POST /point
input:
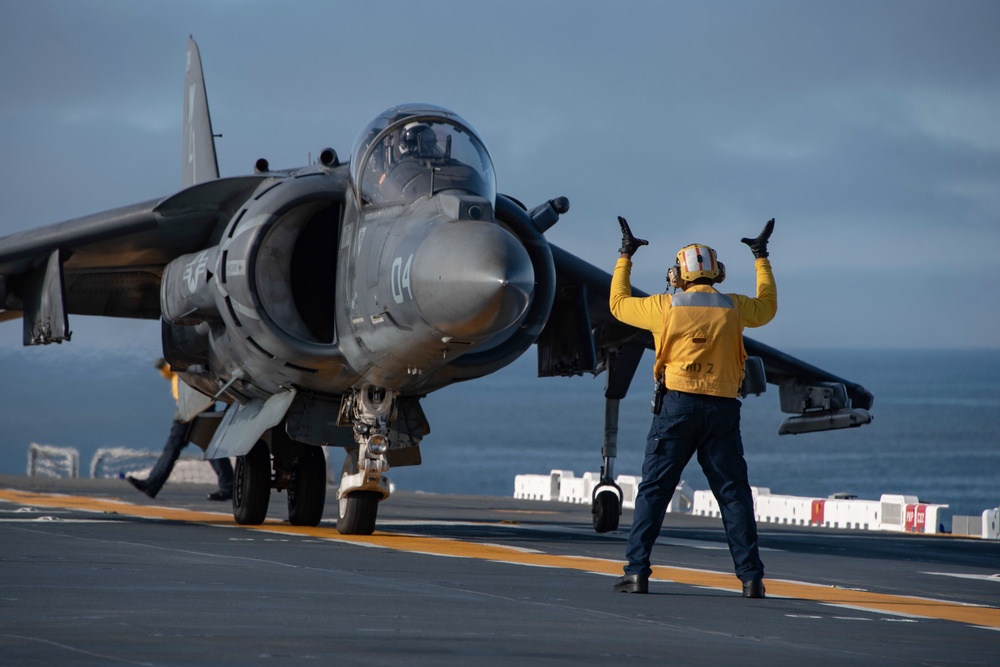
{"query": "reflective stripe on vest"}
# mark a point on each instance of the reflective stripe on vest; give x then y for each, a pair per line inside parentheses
(705, 299)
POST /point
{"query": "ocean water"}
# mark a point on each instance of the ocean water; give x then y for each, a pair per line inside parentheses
(935, 434)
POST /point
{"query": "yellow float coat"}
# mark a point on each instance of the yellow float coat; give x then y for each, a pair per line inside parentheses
(698, 333)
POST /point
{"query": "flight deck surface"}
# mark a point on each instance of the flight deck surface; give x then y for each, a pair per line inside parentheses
(94, 573)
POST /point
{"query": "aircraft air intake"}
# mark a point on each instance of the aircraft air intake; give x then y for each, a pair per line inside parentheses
(472, 280)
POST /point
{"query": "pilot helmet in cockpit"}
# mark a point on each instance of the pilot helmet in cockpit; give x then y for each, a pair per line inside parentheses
(418, 140)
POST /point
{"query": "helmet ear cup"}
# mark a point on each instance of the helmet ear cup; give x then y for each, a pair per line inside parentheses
(674, 276)
(722, 273)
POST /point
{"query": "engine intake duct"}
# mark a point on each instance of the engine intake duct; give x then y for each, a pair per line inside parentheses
(295, 271)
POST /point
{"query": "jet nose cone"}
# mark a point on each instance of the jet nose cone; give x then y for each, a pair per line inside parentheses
(472, 280)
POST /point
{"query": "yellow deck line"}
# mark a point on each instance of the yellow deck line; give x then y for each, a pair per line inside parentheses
(978, 615)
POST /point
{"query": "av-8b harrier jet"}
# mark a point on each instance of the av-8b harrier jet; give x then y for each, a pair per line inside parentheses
(321, 304)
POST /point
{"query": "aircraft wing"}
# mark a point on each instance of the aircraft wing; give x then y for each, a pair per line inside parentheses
(820, 400)
(109, 263)
(572, 273)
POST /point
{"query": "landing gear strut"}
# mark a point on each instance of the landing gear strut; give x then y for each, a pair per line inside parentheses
(620, 363)
(362, 482)
(607, 498)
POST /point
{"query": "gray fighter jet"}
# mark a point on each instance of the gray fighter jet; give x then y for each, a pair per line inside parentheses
(321, 304)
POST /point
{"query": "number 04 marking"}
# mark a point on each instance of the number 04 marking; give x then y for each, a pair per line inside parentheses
(400, 279)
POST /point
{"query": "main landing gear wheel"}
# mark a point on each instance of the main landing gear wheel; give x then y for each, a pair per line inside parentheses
(607, 511)
(307, 494)
(252, 485)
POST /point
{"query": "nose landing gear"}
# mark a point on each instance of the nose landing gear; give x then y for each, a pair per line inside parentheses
(363, 484)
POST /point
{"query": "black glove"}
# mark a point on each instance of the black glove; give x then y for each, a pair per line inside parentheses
(758, 246)
(629, 243)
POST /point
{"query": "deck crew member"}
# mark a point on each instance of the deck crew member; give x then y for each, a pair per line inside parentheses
(176, 441)
(698, 337)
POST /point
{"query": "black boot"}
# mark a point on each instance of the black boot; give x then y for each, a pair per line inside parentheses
(753, 589)
(143, 485)
(631, 583)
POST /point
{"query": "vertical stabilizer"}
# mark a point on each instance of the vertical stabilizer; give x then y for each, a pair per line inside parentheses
(200, 163)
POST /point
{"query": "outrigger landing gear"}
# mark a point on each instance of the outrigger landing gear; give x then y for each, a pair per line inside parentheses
(362, 482)
(607, 497)
(620, 364)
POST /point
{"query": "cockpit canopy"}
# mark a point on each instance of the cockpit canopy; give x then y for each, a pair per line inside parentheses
(416, 150)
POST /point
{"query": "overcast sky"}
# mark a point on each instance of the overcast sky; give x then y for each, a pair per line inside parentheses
(869, 130)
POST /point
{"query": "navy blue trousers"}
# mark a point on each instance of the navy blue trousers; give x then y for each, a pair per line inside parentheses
(709, 426)
(176, 441)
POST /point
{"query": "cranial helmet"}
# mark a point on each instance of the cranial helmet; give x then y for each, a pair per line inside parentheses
(417, 139)
(693, 262)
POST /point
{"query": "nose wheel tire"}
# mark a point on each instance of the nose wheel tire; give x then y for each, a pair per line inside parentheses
(252, 485)
(307, 495)
(357, 512)
(607, 511)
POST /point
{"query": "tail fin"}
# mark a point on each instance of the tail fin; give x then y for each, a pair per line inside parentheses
(200, 163)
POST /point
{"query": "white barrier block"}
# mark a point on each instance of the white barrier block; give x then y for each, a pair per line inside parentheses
(866, 514)
(682, 500)
(630, 488)
(937, 519)
(991, 524)
(924, 517)
(893, 511)
(533, 487)
(557, 477)
(787, 510)
(835, 513)
(575, 489)
(851, 513)
(704, 504)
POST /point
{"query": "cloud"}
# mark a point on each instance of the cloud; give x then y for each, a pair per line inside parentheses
(964, 117)
(749, 146)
